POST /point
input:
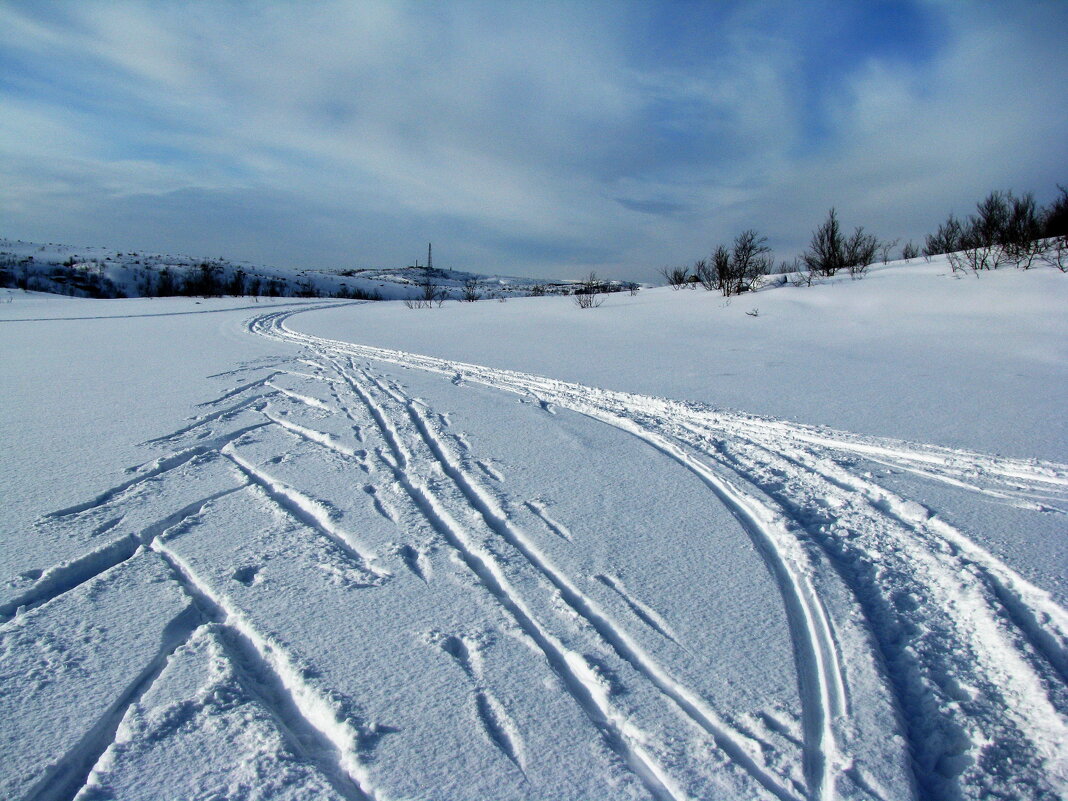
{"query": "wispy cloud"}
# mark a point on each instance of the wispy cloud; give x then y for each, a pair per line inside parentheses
(540, 138)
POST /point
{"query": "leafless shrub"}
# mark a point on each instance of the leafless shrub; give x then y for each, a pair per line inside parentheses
(588, 294)
(909, 251)
(978, 257)
(1055, 216)
(740, 268)
(805, 278)
(948, 238)
(676, 277)
(1022, 236)
(469, 293)
(1055, 254)
(824, 254)
(705, 274)
(859, 252)
(885, 247)
(830, 250)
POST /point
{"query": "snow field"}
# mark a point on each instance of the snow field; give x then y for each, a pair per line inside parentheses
(360, 572)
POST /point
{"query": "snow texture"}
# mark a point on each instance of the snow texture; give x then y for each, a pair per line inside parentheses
(308, 549)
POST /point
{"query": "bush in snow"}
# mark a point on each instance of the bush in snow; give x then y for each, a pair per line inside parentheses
(588, 295)
(742, 268)
(676, 277)
(430, 294)
(470, 293)
(1055, 216)
(830, 250)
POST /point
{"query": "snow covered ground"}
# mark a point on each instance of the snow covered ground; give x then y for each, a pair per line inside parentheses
(806, 545)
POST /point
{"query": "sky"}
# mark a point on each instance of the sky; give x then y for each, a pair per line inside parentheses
(522, 138)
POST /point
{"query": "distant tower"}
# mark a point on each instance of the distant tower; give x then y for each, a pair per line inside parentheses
(429, 256)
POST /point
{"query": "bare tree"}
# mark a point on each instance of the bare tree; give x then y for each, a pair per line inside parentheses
(909, 251)
(990, 224)
(430, 294)
(588, 294)
(721, 266)
(824, 254)
(1055, 216)
(947, 239)
(1055, 253)
(1022, 238)
(751, 260)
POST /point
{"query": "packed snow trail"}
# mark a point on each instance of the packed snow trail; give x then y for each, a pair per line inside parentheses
(456, 643)
(975, 655)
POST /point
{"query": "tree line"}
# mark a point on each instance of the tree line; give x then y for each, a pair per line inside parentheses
(1005, 229)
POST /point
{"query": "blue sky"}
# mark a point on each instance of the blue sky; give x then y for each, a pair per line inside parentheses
(525, 138)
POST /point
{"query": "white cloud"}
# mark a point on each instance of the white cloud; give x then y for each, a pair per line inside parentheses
(514, 131)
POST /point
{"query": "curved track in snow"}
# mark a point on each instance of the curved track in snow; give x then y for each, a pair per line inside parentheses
(919, 654)
(974, 656)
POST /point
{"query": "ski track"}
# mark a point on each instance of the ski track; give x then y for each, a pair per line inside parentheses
(61, 579)
(499, 727)
(559, 529)
(259, 382)
(616, 637)
(971, 653)
(573, 670)
(310, 512)
(156, 468)
(643, 612)
(1004, 636)
(70, 773)
(307, 716)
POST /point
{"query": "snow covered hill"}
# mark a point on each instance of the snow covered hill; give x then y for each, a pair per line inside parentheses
(98, 272)
(809, 544)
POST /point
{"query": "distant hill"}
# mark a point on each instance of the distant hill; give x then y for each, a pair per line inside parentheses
(98, 272)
